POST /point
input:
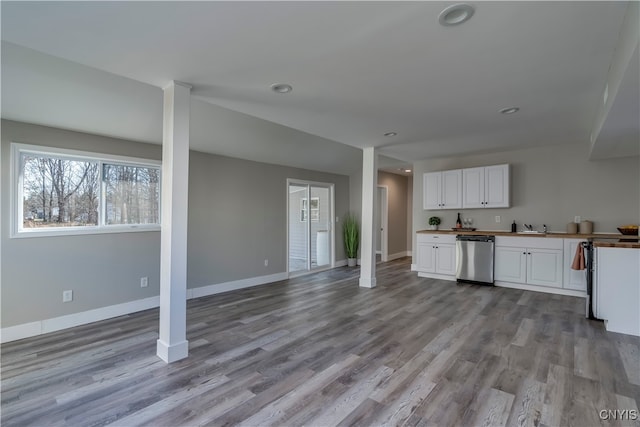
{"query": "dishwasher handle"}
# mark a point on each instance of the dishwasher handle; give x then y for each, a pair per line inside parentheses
(475, 238)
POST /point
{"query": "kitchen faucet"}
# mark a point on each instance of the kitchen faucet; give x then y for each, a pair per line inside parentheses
(528, 227)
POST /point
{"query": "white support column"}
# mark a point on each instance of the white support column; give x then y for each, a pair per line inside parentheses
(368, 234)
(172, 344)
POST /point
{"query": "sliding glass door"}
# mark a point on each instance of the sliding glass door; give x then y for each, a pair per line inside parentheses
(310, 237)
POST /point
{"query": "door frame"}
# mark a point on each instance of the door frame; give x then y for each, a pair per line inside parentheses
(332, 215)
(383, 234)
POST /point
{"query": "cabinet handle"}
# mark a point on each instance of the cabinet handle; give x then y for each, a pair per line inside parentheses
(524, 253)
(528, 253)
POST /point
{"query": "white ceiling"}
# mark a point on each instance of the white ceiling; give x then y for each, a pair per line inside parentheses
(359, 69)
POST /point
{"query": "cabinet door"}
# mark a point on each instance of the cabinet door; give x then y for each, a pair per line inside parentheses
(510, 264)
(544, 267)
(431, 190)
(496, 185)
(473, 188)
(446, 259)
(451, 189)
(427, 257)
(573, 279)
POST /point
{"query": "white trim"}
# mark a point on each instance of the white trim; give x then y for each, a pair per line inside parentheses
(332, 224)
(171, 353)
(341, 263)
(397, 255)
(218, 288)
(383, 205)
(32, 329)
(367, 282)
(436, 276)
(546, 290)
(409, 253)
(16, 208)
(78, 231)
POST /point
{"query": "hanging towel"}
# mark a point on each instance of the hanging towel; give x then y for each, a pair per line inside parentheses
(578, 260)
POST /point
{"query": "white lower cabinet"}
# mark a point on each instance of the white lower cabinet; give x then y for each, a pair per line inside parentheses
(535, 263)
(573, 279)
(532, 261)
(436, 255)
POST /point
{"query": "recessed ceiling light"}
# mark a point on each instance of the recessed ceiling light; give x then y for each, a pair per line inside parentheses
(509, 110)
(281, 88)
(456, 14)
(390, 134)
(407, 170)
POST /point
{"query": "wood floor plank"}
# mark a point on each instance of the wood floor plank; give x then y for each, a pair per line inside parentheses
(318, 350)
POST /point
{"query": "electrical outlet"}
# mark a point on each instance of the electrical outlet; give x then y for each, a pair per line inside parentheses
(266, 262)
(144, 282)
(498, 219)
(577, 219)
(67, 296)
(337, 219)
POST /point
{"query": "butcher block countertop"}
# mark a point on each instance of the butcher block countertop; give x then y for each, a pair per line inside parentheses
(604, 244)
(542, 235)
(601, 240)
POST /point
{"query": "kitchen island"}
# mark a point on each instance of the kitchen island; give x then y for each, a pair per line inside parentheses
(617, 286)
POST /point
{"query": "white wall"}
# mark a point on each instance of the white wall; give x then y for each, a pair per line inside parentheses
(549, 185)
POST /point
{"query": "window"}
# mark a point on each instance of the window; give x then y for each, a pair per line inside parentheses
(68, 192)
(315, 209)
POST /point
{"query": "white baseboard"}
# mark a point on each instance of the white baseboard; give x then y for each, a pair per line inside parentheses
(545, 289)
(367, 282)
(32, 329)
(218, 288)
(437, 276)
(397, 255)
(26, 330)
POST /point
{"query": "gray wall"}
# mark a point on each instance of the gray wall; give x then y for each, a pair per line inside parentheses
(237, 218)
(397, 214)
(101, 269)
(549, 185)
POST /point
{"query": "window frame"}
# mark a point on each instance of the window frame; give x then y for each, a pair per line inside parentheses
(17, 188)
(303, 210)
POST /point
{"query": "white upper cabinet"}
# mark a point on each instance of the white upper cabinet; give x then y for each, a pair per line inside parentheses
(442, 190)
(473, 188)
(485, 187)
(432, 190)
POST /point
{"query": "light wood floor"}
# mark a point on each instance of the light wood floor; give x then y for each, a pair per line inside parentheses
(320, 351)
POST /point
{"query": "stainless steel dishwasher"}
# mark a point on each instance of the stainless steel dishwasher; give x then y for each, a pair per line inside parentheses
(474, 259)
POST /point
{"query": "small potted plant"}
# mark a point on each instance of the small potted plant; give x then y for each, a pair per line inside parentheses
(351, 234)
(434, 222)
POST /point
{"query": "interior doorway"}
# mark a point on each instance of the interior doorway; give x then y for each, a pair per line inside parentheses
(382, 223)
(310, 237)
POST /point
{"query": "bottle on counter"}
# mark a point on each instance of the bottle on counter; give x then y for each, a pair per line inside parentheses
(513, 227)
(458, 221)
